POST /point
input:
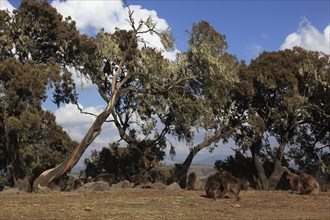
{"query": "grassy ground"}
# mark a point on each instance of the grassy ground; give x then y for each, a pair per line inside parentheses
(163, 204)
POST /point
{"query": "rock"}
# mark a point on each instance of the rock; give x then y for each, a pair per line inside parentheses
(173, 186)
(43, 190)
(12, 191)
(236, 205)
(94, 187)
(127, 184)
(158, 185)
(123, 184)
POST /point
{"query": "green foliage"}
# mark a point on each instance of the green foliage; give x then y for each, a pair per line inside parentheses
(37, 47)
(3, 181)
(215, 73)
(285, 85)
(242, 166)
(125, 162)
(287, 100)
(282, 94)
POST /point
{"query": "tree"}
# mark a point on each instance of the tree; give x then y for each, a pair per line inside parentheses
(286, 84)
(123, 162)
(310, 148)
(36, 49)
(32, 141)
(149, 97)
(212, 107)
(128, 88)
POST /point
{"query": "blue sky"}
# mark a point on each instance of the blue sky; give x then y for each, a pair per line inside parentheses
(250, 28)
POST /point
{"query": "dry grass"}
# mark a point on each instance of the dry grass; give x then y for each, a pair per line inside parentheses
(163, 204)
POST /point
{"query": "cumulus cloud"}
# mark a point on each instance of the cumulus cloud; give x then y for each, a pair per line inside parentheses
(81, 81)
(4, 4)
(309, 38)
(91, 16)
(77, 124)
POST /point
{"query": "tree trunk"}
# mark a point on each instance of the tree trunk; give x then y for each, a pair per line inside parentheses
(255, 151)
(16, 168)
(278, 169)
(49, 175)
(179, 174)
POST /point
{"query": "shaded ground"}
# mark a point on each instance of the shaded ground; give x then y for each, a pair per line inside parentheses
(163, 204)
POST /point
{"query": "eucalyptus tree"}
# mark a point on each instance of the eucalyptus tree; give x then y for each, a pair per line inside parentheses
(135, 83)
(149, 98)
(209, 106)
(290, 89)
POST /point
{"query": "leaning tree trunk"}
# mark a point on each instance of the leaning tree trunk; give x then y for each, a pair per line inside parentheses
(49, 175)
(278, 169)
(179, 174)
(255, 150)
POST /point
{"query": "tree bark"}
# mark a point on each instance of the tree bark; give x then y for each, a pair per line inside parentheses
(49, 175)
(278, 169)
(16, 170)
(255, 151)
(179, 174)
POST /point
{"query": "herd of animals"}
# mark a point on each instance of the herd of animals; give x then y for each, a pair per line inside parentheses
(224, 184)
(220, 184)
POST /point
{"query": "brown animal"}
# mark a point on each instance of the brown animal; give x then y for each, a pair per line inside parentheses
(107, 177)
(326, 187)
(214, 191)
(229, 186)
(140, 180)
(193, 182)
(212, 185)
(308, 185)
(244, 183)
(294, 181)
(223, 185)
(80, 182)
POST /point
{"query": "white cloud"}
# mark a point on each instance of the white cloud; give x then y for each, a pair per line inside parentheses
(171, 55)
(4, 4)
(81, 81)
(77, 124)
(91, 16)
(309, 38)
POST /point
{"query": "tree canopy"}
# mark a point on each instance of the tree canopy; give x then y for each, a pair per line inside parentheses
(36, 48)
(281, 95)
(283, 104)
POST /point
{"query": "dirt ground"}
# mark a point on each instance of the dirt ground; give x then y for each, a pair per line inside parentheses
(163, 204)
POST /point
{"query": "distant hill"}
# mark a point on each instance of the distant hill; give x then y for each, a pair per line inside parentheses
(202, 167)
(202, 170)
(77, 169)
(210, 160)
